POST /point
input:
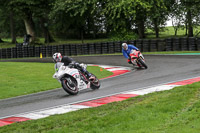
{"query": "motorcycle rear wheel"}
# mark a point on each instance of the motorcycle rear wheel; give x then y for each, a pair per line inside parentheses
(70, 88)
(142, 63)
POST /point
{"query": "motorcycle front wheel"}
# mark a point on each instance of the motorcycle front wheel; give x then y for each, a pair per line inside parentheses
(69, 84)
(142, 63)
(94, 82)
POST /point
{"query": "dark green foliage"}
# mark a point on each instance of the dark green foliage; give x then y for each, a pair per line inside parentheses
(92, 19)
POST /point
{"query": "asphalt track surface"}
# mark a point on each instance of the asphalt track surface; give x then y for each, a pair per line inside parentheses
(161, 69)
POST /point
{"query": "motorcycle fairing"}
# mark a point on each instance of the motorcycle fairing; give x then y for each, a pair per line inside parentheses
(63, 70)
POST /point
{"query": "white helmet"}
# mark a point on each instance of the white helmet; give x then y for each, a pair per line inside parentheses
(124, 46)
(57, 57)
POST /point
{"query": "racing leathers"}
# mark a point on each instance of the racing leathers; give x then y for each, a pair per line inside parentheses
(71, 63)
(126, 53)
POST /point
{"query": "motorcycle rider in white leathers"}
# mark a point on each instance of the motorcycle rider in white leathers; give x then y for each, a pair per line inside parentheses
(59, 60)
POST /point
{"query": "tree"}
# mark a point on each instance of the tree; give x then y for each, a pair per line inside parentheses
(141, 16)
(7, 15)
(176, 13)
(191, 7)
(79, 16)
(157, 15)
(23, 9)
(43, 15)
(27, 10)
(126, 14)
(44, 24)
(12, 27)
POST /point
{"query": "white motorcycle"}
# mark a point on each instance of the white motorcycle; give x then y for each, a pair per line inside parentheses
(73, 80)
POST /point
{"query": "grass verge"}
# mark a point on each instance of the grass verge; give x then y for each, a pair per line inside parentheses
(168, 31)
(150, 53)
(173, 111)
(58, 41)
(26, 78)
(173, 52)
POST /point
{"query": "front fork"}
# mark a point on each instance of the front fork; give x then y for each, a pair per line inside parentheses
(141, 56)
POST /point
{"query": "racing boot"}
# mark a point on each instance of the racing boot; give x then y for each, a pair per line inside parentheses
(88, 75)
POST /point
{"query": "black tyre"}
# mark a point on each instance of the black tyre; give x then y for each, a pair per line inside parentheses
(142, 63)
(94, 82)
(69, 84)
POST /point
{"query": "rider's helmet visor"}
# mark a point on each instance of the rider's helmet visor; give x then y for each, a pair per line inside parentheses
(125, 47)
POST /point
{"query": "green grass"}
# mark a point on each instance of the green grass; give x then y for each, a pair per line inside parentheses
(7, 44)
(26, 78)
(150, 53)
(172, 52)
(173, 111)
(169, 32)
(76, 41)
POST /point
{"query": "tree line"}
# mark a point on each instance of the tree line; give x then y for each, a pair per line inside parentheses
(94, 18)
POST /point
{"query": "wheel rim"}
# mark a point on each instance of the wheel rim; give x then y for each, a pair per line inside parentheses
(69, 86)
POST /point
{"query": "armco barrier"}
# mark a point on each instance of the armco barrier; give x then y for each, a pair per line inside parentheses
(192, 44)
(176, 44)
(98, 48)
(73, 49)
(3, 53)
(184, 44)
(14, 52)
(145, 45)
(85, 49)
(168, 44)
(111, 48)
(91, 48)
(139, 44)
(118, 47)
(198, 43)
(153, 46)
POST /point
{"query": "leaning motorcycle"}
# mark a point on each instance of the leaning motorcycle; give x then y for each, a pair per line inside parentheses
(137, 59)
(73, 80)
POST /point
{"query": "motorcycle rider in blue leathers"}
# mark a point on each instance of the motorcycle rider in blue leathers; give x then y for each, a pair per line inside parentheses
(126, 49)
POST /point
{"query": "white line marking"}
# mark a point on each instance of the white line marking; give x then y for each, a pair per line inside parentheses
(151, 90)
(52, 111)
